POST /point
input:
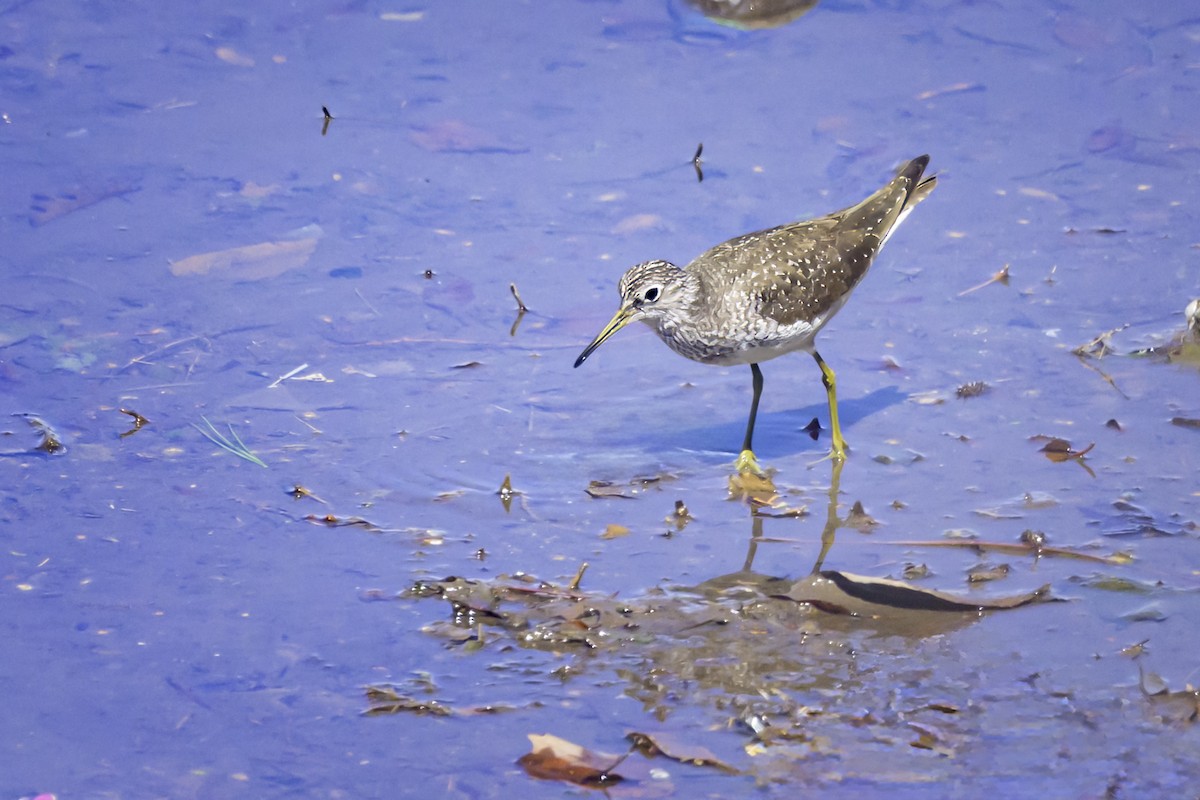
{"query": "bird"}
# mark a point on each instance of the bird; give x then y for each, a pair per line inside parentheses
(764, 294)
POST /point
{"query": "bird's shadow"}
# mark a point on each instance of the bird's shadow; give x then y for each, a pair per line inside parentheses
(778, 434)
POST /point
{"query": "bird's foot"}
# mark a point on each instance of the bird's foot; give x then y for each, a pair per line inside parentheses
(836, 454)
(747, 463)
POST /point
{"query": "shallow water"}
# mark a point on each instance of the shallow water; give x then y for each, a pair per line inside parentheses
(180, 234)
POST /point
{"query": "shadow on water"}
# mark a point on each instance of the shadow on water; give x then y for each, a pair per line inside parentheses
(781, 433)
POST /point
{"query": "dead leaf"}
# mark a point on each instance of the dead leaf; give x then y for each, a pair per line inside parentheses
(1179, 706)
(48, 441)
(982, 573)
(758, 490)
(1059, 450)
(859, 519)
(252, 262)
(387, 700)
(929, 739)
(851, 592)
(555, 759)
(608, 489)
(614, 531)
(664, 744)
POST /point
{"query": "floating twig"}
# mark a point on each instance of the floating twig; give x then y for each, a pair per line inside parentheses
(1016, 549)
(573, 586)
(512, 287)
(522, 309)
(1099, 347)
(157, 351)
(291, 374)
(1000, 277)
(299, 492)
(697, 164)
(328, 119)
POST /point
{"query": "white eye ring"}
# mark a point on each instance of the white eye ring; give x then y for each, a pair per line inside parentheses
(651, 294)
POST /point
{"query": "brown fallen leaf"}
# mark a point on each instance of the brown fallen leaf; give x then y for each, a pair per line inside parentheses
(856, 590)
(1178, 706)
(859, 519)
(982, 573)
(386, 700)
(614, 531)
(663, 744)
(49, 442)
(1059, 450)
(608, 489)
(556, 759)
(757, 490)
(251, 262)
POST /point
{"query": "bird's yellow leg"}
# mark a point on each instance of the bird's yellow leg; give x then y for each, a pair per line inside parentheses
(838, 452)
(746, 462)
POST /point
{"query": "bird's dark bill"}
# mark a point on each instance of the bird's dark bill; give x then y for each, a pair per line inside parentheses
(622, 318)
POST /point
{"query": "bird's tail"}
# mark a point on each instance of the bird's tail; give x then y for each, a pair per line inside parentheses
(913, 171)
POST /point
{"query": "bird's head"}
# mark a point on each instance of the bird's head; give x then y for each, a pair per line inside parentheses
(653, 292)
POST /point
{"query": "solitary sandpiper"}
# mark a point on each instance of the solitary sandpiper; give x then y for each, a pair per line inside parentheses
(763, 294)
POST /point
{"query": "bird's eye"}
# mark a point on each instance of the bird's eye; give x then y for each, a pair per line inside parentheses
(651, 294)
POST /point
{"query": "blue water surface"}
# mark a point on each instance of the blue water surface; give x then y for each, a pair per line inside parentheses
(188, 238)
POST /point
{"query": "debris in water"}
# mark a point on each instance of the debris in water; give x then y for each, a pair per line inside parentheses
(662, 744)
(1000, 277)
(680, 517)
(138, 422)
(982, 573)
(232, 444)
(972, 389)
(555, 759)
